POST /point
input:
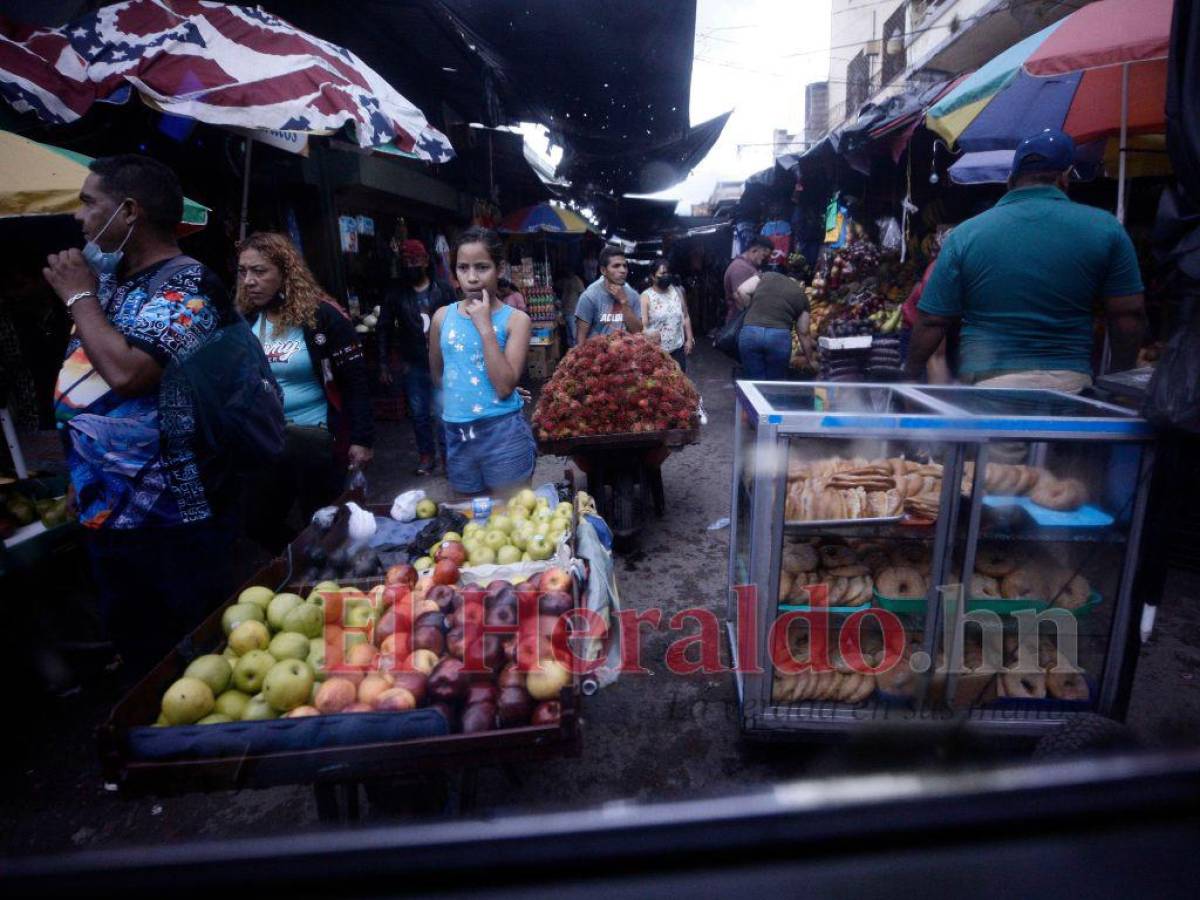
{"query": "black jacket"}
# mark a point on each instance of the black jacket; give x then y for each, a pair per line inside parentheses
(338, 365)
(401, 326)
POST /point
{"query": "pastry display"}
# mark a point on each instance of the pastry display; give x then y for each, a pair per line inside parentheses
(805, 565)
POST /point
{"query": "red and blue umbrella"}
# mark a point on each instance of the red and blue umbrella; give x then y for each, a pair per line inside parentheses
(544, 218)
(1068, 76)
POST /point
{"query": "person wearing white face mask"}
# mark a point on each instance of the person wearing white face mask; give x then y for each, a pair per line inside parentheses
(158, 540)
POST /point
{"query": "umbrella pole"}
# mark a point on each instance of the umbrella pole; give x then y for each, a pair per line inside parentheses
(1124, 137)
(245, 191)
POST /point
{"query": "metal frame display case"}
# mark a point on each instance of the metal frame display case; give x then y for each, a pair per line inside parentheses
(953, 432)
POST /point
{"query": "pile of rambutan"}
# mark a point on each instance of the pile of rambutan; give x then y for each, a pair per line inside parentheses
(615, 384)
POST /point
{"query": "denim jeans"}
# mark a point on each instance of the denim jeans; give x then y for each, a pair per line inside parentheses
(496, 453)
(418, 386)
(765, 353)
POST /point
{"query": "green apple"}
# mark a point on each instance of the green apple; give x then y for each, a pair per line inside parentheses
(322, 586)
(426, 509)
(518, 514)
(289, 645)
(232, 703)
(540, 547)
(359, 616)
(541, 503)
(288, 684)
(316, 657)
(215, 719)
(558, 529)
(230, 655)
(495, 539)
(481, 556)
(543, 514)
(161, 722)
(258, 595)
(187, 701)
(472, 527)
(350, 640)
(239, 613)
(565, 510)
(518, 539)
(279, 607)
(526, 499)
(213, 669)
(508, 555)
(500, 523)
(424, 564)
(251, 669)
(307, 619)
(258, 709)
(452, 536)
(525, 557)
(249, 636)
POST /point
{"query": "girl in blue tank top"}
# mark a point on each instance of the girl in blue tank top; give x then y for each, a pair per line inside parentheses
(477, 351)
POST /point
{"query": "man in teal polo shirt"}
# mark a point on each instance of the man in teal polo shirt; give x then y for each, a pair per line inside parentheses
(1025, 277)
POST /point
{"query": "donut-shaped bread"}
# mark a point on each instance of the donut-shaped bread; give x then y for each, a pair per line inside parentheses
(799, 558)
(995, 561)
(1022, 686)
(1067, 686)
(1023, 583)
(835, 555)
(1027, 479)
(901, 581)
(984, 586)
(1067, 591)
(1061, 494)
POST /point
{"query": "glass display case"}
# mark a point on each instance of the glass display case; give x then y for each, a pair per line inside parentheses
(875, 574)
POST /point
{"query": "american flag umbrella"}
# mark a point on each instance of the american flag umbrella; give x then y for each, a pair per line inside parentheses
(225, 65)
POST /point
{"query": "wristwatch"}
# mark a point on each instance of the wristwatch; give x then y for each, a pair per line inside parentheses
(70, 301)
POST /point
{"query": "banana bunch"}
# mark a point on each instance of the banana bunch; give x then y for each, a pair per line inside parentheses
(886, 320)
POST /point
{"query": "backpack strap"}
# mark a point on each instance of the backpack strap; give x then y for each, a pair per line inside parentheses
(168, 271)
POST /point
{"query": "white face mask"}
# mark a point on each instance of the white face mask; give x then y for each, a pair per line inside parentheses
(98, 261)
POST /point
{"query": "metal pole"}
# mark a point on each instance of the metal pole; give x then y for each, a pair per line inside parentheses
(1124, 137)
(246, 191)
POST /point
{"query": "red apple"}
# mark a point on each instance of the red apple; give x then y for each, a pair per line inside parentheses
(454, 551)
(421, 661)
(335, 695)
(331, 601)
(424, 586)
(301, 712)
(482, 692)
(395, 699)
(431, 619)
(515, 707)
(416, 683)
(479, 717)
(424, 606)
(454, 643)
(401, 574)
(429, 638)
(442, 594)
(555, 603)
(396, 647)
(448, 682)
(555, 579)
(510, 676)
(372, 686)
(548, 713)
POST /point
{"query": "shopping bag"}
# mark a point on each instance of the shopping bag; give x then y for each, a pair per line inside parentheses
(1173, 397)
(727, 338)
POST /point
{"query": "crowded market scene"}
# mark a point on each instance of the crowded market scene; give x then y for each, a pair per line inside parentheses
(496, 446)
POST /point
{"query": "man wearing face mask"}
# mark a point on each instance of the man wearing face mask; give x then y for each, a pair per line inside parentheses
(159, 543)
(407, 309)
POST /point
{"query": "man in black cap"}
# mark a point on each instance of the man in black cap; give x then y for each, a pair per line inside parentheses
(1024, 279)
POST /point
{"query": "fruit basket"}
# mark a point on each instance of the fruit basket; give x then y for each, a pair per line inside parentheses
(673, 439)
(127, 729)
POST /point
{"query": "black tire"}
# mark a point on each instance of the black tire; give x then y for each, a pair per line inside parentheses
(1086, 733)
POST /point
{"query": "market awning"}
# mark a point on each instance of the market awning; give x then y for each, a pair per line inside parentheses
(44, 180)
(234, 66)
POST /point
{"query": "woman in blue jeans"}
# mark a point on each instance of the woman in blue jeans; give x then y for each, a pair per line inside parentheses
(477, 351)
(776, 303)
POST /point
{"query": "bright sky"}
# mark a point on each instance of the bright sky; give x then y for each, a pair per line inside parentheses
(755, 57)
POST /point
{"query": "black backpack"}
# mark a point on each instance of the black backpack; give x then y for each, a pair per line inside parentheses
(237, 406)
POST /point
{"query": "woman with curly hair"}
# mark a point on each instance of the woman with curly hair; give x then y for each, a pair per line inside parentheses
(318, 362)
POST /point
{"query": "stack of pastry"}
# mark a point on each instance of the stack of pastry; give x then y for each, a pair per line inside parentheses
(835, 567)
(1040, 485)
(840, 683)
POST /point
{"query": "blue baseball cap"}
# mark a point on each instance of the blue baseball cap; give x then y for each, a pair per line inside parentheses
(1047, 151)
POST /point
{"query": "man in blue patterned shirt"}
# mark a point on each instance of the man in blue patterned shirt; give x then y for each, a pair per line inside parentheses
(159, 543)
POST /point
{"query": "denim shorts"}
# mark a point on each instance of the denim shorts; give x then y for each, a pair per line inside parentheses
(490, 453)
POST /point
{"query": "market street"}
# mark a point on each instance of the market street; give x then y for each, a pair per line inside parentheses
(648, 738)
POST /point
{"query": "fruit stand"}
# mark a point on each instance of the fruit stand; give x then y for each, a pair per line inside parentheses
(861, 521)
(376, 678)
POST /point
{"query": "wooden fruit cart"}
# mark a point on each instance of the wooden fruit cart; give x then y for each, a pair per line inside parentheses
(333, 772)
(623, 471)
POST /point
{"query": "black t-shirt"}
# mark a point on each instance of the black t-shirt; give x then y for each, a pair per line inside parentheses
(778, 302)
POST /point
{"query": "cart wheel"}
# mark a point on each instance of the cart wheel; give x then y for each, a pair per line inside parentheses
(625, 501)
(1085, 733)
(654, 477)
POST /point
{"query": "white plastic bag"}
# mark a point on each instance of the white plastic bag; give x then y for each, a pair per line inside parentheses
(891, 238)
(404, 507)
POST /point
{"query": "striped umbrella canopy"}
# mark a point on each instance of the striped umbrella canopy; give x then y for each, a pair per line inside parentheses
(542, 217)
(43, 180)
(1068, 76)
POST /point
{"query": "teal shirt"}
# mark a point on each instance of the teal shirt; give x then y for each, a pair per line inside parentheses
(304, 401)
(1025, 277)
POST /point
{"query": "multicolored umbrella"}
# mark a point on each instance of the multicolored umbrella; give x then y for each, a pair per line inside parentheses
(1067, 76)
(543, 217)
(43, 180)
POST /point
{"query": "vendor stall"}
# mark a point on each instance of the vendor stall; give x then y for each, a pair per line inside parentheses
(858, 515)
(379, 681)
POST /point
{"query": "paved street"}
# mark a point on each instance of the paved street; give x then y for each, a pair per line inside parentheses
(646, 738)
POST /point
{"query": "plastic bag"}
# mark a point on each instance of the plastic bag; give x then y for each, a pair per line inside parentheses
(404, 507)
(357, 481)
(1173, 397)
(891, 238)
(726, 339)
